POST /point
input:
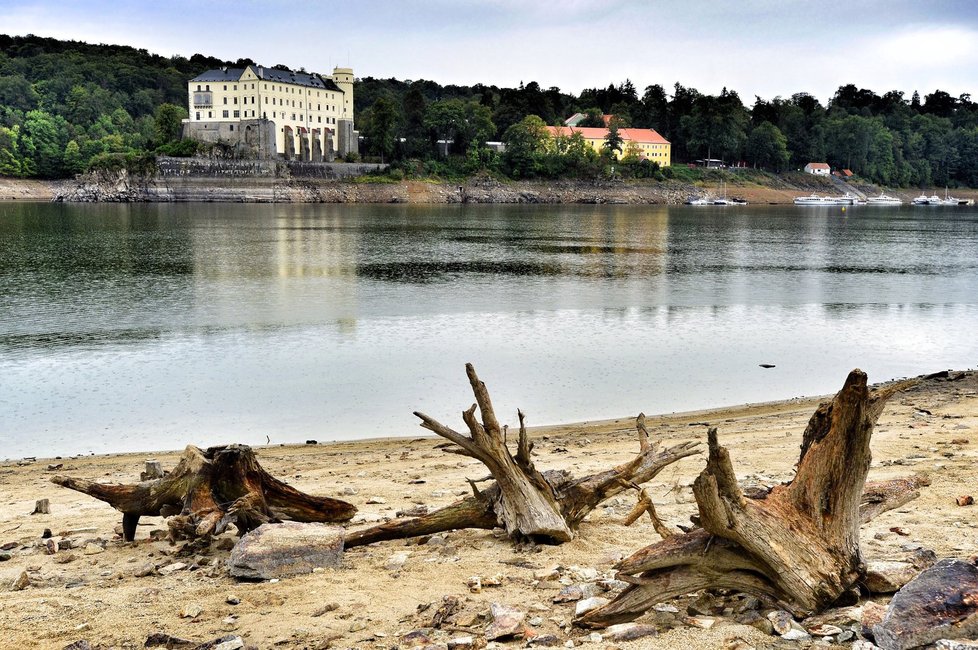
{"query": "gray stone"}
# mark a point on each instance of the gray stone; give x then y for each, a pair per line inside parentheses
(940, 603)
(629, 632)
(781, 620)
(172, 568)
(506, 621)
(285, 549)
(230, 642)
(950, 644)
(81, 644)
(586, 605)
(884, 577)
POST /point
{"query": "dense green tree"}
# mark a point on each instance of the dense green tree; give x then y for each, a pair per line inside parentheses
(593, 118)
(10, 164)
(43, 140)
(767, 147)
(168, 124)
(613, 141)
(380, 127)
(526, 144)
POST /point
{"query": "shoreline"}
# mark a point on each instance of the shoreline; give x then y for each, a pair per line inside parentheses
(596, 427)
(117, 594)
(266, 189)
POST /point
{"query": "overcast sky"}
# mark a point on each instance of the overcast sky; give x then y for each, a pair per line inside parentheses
(756, 47)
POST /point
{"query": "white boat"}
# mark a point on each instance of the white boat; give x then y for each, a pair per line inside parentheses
(883, 199)
(816, 200)
(923, 199)
(950, 200)
(699, 201)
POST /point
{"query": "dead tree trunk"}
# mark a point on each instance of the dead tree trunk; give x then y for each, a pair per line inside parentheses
(798, 545)
(541, 506)
(208, 490)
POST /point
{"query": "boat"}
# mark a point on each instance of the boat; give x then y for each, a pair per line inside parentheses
(816, 200)
(883, 199)
(699, 201)
(950, 200)
(923, 199)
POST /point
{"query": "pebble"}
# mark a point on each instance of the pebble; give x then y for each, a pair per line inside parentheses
(461, 643)
(22, 582)
(506, 621)
(147, 569)
(170, 568)
(232, 600)
(376, 501)
(396, 562)
(586, 605)
(191, 610)
(92, 549)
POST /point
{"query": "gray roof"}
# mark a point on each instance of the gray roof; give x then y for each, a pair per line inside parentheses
(269, 74)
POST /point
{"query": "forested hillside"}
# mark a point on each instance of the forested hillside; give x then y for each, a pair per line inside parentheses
(66, 105)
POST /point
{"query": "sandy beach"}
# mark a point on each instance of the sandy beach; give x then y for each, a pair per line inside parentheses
(119, 595)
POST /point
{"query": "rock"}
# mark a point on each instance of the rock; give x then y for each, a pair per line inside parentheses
(162, 639)
(348, 491)
(871, 615)
(81, 644)
(230, 642)
(4, 556)
(415, 639)
(21, 582)
(586, 605)
(172, 568)
(940, 603)
(325, 609)
(376, 501)
(546, 641)
(824, 629)
(397, 561)
(506, 621)
(65, 558)
(147, 569)
(285, 549)
(781, 621)
(92, 549)
(576, 592)
(232, 600)
(594, 637)
(461, 643)
(190, 610)
(702, 622)
(550, 573)
(795, 634)
(629, 632)
(883, 577)
(474, 584)
(965, 500)
(949, 644)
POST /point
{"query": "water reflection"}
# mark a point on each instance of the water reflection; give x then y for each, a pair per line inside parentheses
(138, 326)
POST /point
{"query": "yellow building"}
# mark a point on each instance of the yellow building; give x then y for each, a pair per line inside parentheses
(646, 143)
(274, 113)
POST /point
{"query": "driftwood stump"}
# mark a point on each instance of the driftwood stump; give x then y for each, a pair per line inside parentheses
(208, 490)
(531, 505)
(798, 545)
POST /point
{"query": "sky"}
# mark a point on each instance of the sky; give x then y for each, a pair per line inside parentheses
(755, 47)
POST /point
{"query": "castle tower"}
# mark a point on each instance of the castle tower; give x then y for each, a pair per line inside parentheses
(343, 77)
(347, 137)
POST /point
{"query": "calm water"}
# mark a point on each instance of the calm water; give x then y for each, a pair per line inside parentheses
(145, 327)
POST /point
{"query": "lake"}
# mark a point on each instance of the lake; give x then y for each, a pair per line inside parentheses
(153, 326)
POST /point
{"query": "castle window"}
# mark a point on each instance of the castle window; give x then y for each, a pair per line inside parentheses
(225, 86)
(224, 114)
(210, 114)
(235, 100)
(198, 86)
(225, 100)
(237, 113)
(232, 127)
(198, 115)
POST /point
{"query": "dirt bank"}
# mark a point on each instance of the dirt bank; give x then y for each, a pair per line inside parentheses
(18, 189)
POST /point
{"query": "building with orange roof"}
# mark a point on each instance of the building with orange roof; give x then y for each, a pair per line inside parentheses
(645, 143)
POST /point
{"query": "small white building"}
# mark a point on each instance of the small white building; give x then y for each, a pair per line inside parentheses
(819, 169)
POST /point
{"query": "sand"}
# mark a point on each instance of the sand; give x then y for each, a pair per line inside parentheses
(99, 598)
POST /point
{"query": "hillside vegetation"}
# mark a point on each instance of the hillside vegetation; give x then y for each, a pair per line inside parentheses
(66, 106)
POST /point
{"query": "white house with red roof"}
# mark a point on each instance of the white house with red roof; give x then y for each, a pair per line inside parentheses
(819, 169)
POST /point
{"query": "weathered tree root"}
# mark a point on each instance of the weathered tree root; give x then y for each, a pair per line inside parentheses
(798, 545)
(545, 507)
(208, 490)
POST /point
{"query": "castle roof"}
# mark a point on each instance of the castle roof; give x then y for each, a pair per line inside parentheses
(275, 75)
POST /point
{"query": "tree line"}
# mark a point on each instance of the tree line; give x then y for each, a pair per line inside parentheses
(66, 106)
